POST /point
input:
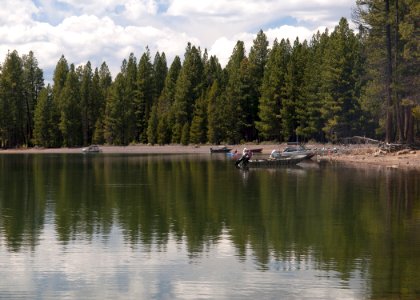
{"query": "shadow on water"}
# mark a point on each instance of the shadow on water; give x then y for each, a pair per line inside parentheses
(335, 218)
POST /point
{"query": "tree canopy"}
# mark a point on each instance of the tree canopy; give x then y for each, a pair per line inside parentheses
(336, 85)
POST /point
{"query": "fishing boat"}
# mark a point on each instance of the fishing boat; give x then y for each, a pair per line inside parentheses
(92, 149)
(293, 151)
(223, 149)
(272, 162)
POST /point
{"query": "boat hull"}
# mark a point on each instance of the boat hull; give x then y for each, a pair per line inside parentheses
(308, 154)
(92, 149)
(220, 150)
(296, 151)
(272, 163)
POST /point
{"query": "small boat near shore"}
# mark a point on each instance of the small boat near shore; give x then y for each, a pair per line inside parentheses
(272, 162)
(223, 149)
(293, 151)
(92, 149)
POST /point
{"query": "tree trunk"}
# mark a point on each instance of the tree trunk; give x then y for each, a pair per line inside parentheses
(396, 81)
(410, 125)
(388, 77)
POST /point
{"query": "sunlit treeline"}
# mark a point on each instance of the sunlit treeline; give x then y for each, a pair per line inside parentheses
(333, 86)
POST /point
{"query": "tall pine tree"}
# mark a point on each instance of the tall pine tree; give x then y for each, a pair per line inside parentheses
(272, 91)
(70, 109)
(188, 88)
(33, 80)
(13, 117)
(258, 57)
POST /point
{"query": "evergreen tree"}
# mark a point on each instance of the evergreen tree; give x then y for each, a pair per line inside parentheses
(188, 89)
(100, 94)
(60, 75)
(87, 104)
(98, 103)
(232, 97)
(160, 71)
(292, 104)
(185, 134)
(70, 121)
(310, 123)
(13, 117)
(152, 126)
(45, 131)
(272, 91)
(408, 65)
(120, 125)
(341, 108)
(59, 79)
(130, 99)
(215, 114)
(198, 127)
(105, 78)
(212, 72)
(166, 99)
(144, 95)
(390, 34)
(116, 128)
(247, 102)
(33, 81)
(163, 133)
(258, 57)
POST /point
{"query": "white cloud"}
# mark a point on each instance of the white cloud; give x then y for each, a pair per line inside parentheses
(17, 12)
(108, 30)
(289, 32)
(134, 8)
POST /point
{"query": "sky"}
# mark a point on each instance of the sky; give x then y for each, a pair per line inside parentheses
(109, 30)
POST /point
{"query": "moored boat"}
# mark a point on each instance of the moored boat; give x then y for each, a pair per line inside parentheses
(92, 149)
(293, 151)
(272, 162)
(223, 149)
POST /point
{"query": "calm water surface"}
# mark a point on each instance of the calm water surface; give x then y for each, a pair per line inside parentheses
(194, 227)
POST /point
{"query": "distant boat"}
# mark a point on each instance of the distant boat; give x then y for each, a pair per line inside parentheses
(223, 149)
(92, 149)
(294, 151)
(272, 162)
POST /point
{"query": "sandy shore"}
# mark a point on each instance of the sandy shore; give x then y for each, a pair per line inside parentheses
(354, 154)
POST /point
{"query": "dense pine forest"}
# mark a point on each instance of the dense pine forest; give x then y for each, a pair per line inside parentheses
(336, 85)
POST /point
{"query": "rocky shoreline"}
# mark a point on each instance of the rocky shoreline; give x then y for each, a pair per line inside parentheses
(352, 154)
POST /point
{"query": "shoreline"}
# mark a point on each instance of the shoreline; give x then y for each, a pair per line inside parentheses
(349, 154)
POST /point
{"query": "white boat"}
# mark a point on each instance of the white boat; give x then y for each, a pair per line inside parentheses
(92, 149)
(293, 151)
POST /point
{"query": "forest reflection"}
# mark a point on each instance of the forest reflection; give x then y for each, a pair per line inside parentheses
(343, 219)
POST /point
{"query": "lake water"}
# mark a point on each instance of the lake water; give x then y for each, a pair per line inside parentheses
(194, 227)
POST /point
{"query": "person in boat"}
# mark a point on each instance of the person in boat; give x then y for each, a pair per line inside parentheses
(246, 156)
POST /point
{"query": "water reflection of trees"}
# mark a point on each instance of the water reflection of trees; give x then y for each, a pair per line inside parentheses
(345, 220)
